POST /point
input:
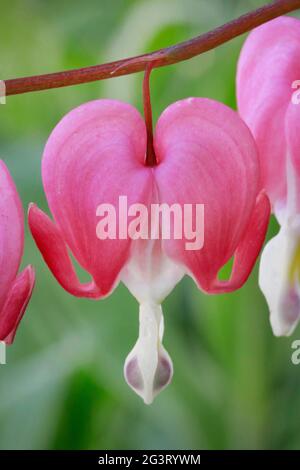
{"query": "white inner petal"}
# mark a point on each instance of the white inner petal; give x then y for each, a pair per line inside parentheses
(148, 368)
(279, 277)
(150, 276)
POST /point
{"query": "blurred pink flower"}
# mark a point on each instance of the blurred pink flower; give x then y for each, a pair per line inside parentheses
(268, 70)
(205, 154)
(15, 289)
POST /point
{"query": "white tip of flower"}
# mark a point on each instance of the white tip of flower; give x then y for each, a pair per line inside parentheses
(148, 368)
(279, 279)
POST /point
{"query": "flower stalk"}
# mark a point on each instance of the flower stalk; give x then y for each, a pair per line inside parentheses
(150, 152)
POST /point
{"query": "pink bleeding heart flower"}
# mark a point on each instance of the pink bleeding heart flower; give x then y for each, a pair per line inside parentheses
(268, 99)
(15, 289)
(202, 153)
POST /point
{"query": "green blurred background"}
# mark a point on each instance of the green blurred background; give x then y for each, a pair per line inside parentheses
(234, 384)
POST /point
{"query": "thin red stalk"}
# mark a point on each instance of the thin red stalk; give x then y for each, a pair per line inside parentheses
(170, 55)
(150, 153)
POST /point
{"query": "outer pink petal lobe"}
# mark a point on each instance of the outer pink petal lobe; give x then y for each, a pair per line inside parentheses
(15, 290)
(15, 304)
(268, 66)
(54, 250)
(208, 156)
(94, 155)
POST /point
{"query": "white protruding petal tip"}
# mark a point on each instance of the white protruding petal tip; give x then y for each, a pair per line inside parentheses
(289, 309)
(279, 279)
(148, 368)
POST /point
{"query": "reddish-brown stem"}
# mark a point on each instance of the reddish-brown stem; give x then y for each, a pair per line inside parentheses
(170, 55)
(150, 153)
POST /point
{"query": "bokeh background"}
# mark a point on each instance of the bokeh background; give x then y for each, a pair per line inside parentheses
(234, 384)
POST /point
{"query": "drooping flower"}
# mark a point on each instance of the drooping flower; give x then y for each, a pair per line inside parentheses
(268, 74)
(202, 153)
(15, 289)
